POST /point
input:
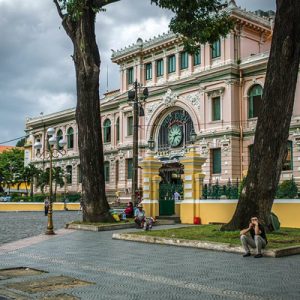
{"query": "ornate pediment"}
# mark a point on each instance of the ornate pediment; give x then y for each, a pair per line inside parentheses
(169, 98)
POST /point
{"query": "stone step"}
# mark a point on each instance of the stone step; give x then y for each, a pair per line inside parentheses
(174, 219)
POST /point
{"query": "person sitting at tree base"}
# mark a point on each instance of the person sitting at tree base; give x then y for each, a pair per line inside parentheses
(257, 239)
(139, 216)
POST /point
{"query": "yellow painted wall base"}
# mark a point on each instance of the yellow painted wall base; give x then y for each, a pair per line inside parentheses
(37, 206)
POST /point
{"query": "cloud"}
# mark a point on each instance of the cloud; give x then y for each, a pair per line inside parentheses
(36, 70)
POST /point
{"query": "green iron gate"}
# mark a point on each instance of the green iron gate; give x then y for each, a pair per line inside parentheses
(166, 199)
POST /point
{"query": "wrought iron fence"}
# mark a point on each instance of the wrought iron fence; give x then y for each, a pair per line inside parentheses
(216, 191)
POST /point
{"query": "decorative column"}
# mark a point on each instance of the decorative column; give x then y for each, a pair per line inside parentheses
(193, 178)
(151, 180)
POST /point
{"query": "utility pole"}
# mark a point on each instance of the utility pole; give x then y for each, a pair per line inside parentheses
(133, 96)
(135, 146)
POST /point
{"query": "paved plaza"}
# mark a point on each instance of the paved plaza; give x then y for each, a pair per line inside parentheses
(126, 270)
(19, 225)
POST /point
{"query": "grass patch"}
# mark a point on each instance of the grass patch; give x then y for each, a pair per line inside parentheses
(286, 237)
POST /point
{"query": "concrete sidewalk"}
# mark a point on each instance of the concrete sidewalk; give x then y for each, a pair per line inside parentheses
(90, 265)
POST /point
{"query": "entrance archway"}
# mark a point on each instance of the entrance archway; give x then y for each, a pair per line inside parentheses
(171, 182)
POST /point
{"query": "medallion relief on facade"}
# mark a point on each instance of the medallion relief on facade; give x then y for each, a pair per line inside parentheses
(193, 98)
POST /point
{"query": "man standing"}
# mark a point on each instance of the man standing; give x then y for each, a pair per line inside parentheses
(257, 239)
(176, 196)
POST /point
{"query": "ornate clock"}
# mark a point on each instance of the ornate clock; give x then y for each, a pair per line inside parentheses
(175, 135)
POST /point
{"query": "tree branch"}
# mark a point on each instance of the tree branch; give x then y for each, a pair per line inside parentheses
(102, 3)
(58, 9)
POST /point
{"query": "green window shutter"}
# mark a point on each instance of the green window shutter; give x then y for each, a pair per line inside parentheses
(107, 131)
(216, 49)
(197, 58)
(69, 174)
(130, 75)
(118, 129)
(171, 64)
(106, 171)
(129, 168)
(184, 60)
(254, 103)
(148, 73)
(159, 67)
(130, 125)
(216, 109)
(70, 140)
(216, 157)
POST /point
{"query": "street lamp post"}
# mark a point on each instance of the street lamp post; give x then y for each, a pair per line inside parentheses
(133, 96)
(51, 152)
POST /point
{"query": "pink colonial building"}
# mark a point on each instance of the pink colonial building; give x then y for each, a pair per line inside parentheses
(215, 93)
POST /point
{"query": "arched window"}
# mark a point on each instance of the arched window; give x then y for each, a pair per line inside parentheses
(69, 174)
(118, 129)
(59, 136)
(70, 135)
(106, 171)
(255, 95)
(107, 131)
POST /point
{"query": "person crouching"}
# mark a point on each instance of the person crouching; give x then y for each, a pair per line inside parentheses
(257, 239)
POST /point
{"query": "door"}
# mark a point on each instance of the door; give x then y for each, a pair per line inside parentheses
(171, 182)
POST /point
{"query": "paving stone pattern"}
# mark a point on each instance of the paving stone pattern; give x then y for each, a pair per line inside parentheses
(129, 270)
(19, 225)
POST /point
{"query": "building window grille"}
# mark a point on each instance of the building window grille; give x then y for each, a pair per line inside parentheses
(197, 58)
(216, 161)
(255, 95)
(129, 168)
(130, 125)
(118, 129)
(79, 174)
(117, 172)
(288, 162)
(107, 131)
(171, 64)
(130, 75)
(216, 49)
(69, 174)
(184, 60)
(159, 67)
(70, 138)
(148, 71)
(106, 171)
(216, 109)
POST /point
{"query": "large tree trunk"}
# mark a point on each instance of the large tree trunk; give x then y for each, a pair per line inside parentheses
(272, 130)
(87, 65)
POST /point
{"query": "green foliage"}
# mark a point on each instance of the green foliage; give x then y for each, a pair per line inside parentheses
(21, 142)
(11, 166)
(198, 22)
(287, 190)
(75, 8)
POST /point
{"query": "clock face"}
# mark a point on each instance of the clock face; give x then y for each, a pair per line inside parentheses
(175, 135)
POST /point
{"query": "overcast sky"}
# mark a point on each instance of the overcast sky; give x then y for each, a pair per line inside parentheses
(36, 70)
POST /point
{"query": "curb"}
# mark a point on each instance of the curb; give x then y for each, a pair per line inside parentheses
(99, 228)
(111, 227)
(201, 244)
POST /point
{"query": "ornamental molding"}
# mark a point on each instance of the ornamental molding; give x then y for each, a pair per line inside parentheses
(150, 109)
(215, 92)
(169, 98)
(193, 98)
